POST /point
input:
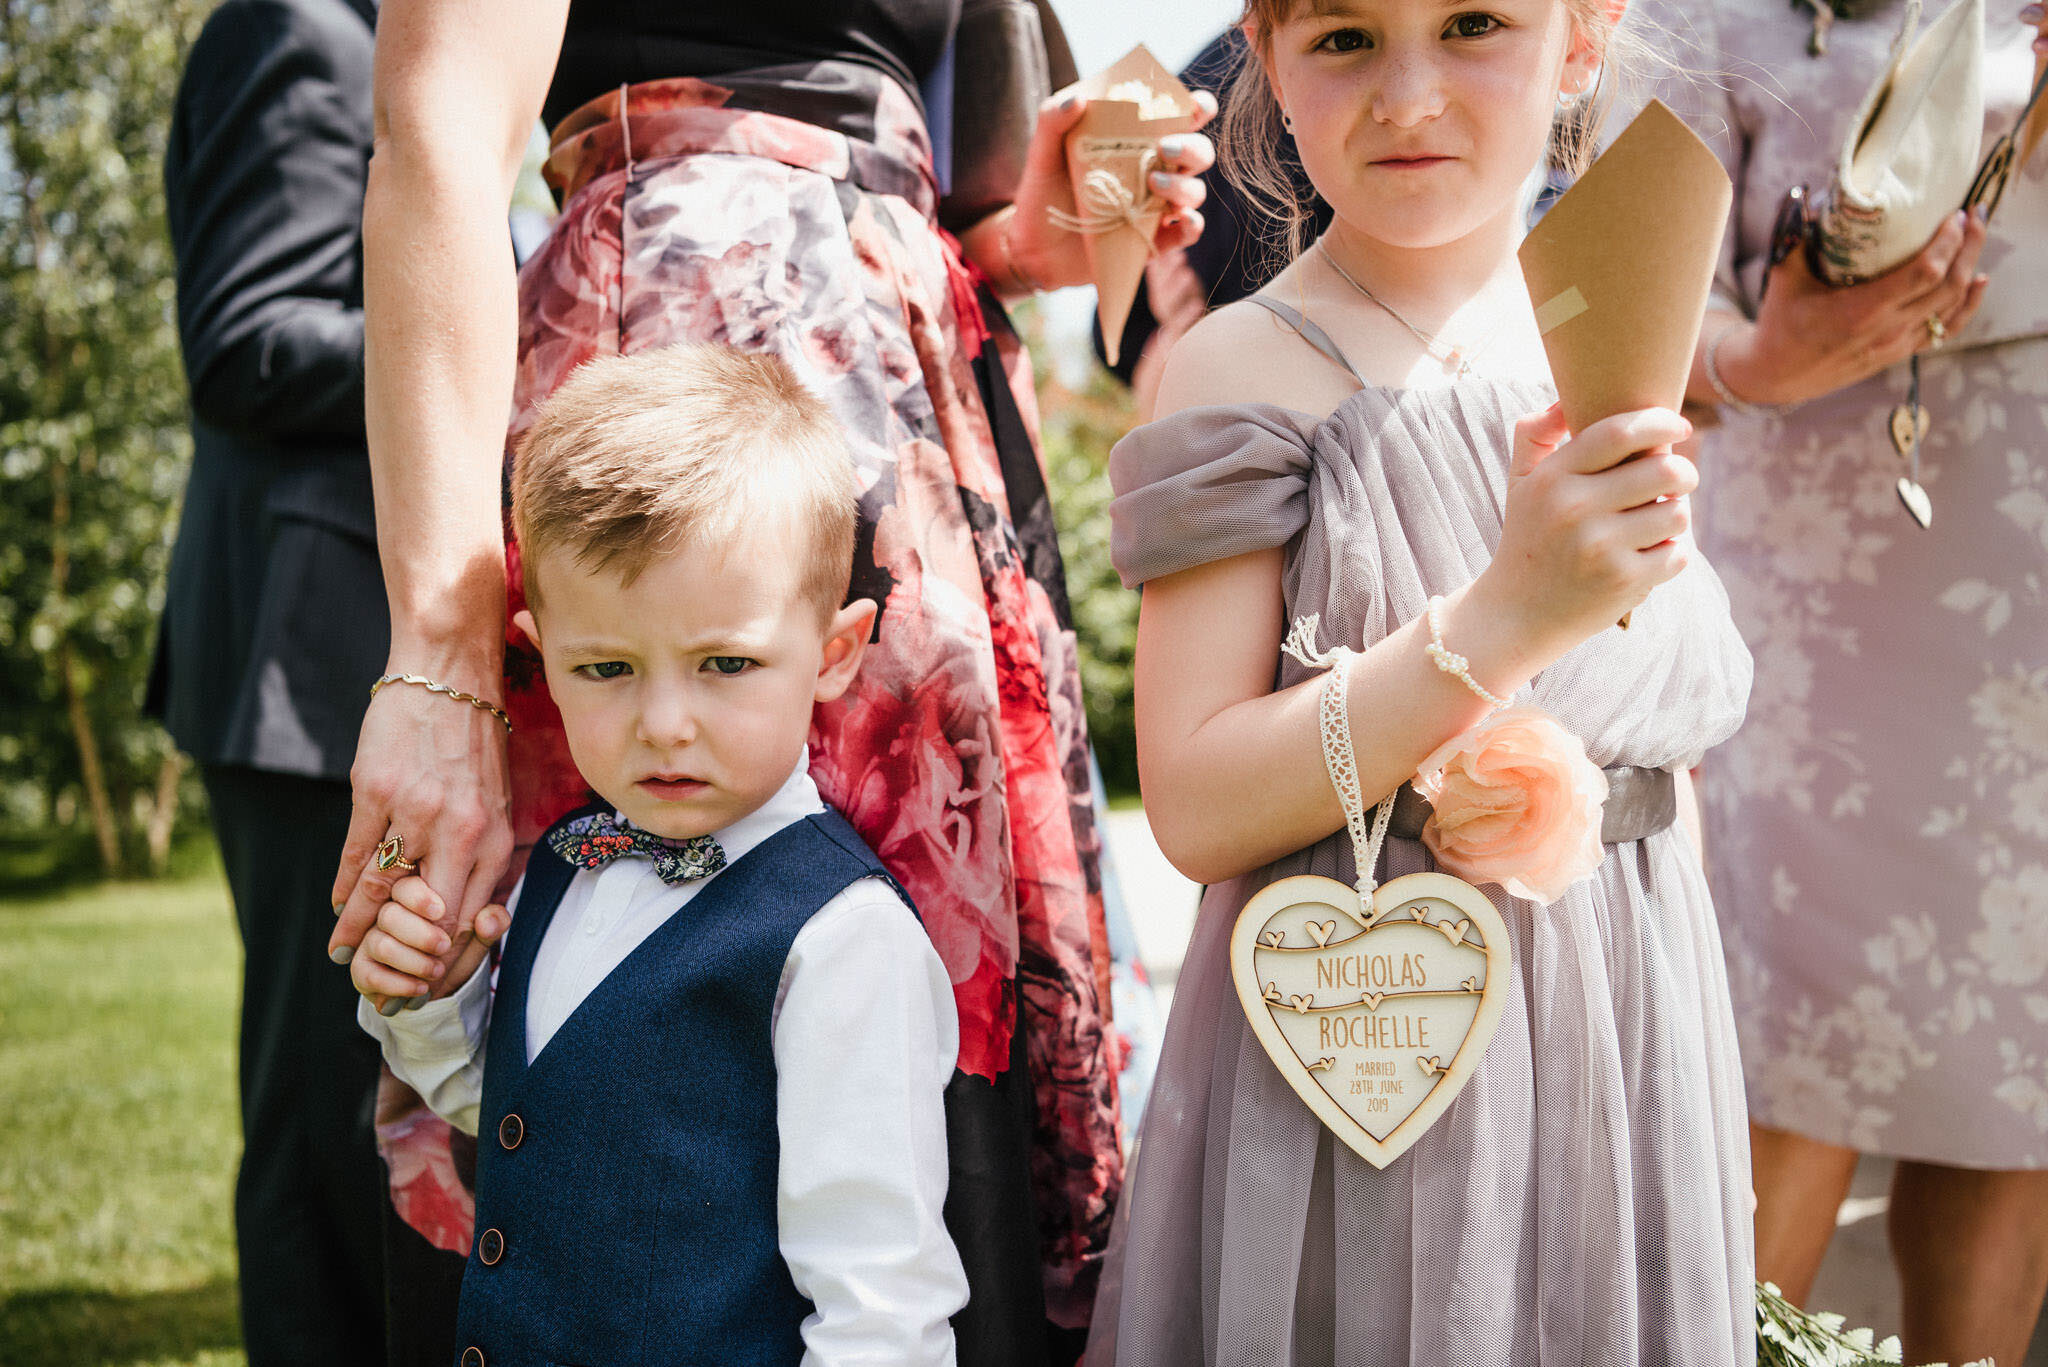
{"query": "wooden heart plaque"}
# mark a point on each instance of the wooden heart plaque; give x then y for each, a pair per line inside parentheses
(1376, 1018)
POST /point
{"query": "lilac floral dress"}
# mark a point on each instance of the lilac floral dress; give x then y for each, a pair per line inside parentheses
(1878, 830)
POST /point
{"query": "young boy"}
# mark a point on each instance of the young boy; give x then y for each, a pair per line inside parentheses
(708, 1077)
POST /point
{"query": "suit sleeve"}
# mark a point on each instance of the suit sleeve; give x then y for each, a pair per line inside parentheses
(265, 179)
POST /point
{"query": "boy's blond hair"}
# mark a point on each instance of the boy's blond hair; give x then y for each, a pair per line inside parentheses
(634, 457)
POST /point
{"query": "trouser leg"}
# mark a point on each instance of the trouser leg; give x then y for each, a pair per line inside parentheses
(422, 1287)
(308, 1196)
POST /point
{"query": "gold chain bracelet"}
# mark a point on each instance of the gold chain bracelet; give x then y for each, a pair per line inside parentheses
(432, 687)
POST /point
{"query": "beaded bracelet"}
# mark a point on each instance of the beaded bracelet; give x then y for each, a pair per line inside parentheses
(432, 687)
(1452, 663)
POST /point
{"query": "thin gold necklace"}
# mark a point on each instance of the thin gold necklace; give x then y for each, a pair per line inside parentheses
(1451, 358)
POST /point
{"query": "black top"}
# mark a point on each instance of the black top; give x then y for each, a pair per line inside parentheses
(614, 42)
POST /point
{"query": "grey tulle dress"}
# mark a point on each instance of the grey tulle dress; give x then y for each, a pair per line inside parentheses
(1585, 1201)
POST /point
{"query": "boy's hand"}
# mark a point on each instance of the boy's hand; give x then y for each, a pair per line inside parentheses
(401, 956)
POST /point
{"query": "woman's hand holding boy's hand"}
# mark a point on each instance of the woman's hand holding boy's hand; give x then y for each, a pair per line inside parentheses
(1585, 538)
(405, 953)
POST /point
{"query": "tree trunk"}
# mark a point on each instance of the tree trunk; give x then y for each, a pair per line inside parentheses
(105, 829)
(163, 814)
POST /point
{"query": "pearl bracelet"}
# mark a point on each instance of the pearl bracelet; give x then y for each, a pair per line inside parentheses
(1711, 364)
(1452, 663)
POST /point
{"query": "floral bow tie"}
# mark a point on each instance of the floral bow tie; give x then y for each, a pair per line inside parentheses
(591, 842)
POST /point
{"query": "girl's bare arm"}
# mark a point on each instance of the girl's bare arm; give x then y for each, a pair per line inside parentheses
(1233, 773)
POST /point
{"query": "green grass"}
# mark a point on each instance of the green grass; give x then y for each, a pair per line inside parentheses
(118, 1130)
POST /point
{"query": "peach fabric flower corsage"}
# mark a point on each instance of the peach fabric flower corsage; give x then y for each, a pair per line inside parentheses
(1517, 803)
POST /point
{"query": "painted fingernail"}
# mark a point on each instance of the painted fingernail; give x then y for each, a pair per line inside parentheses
(415, 1003)
(2031, 14)
(391, 1007)
(1173, 145)
(337, 908)
(1161, 181)
(341, 954)
(1069, 100)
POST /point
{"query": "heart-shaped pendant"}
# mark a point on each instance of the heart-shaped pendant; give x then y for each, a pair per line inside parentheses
(1909, 428)
(1917, 503)
(1378, 1025)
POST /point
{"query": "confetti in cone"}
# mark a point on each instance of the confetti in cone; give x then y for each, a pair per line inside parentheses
(1110, 155)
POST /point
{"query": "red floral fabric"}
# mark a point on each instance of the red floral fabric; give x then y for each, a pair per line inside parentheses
(961, 752)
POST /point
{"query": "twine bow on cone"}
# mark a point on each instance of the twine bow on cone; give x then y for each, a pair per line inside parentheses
(1106, 203)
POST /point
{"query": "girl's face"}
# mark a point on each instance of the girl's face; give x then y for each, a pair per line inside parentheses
(1418, 120)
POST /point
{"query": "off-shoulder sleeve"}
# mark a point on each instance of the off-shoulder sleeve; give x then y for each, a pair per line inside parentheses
(1203, 485)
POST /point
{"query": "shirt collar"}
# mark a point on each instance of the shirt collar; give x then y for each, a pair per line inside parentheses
(796, 799)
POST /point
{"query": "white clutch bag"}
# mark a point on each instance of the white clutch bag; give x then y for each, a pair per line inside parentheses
(1911, 151)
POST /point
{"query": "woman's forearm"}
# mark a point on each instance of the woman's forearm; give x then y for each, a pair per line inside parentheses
(459, 84)
(987, 244)
(1721, 329)
(440, 337)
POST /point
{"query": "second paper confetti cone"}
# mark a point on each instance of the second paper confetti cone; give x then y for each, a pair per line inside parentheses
(1110, 156)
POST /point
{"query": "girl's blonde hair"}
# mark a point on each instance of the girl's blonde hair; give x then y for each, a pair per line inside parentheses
(1250, 129)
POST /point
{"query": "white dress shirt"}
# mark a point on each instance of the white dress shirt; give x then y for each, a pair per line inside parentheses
(864, 1038)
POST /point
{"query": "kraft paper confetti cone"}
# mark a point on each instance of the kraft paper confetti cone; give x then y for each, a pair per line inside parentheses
(1110, 155)
(1620, 267)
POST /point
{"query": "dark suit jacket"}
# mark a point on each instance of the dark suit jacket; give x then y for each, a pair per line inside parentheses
(274, 621)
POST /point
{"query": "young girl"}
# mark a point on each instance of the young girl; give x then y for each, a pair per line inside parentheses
(1373, 430)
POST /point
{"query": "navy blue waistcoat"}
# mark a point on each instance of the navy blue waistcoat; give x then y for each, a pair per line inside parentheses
(626, 1179)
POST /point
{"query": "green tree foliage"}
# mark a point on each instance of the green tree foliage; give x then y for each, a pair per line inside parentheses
(1079, 428)
(93, 440)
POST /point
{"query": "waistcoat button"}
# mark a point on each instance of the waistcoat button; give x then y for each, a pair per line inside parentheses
(472, 1356)
(490, 1247)
(511, 1130)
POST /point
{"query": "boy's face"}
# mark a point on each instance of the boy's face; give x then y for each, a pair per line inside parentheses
(687, 694)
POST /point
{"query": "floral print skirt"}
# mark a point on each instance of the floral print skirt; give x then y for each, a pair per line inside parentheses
(961, 753)
(1878, 831)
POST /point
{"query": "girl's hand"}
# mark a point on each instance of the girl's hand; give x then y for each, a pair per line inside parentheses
(1052, 256)
(1585, 538)
(406, 954)
(1811, 338)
